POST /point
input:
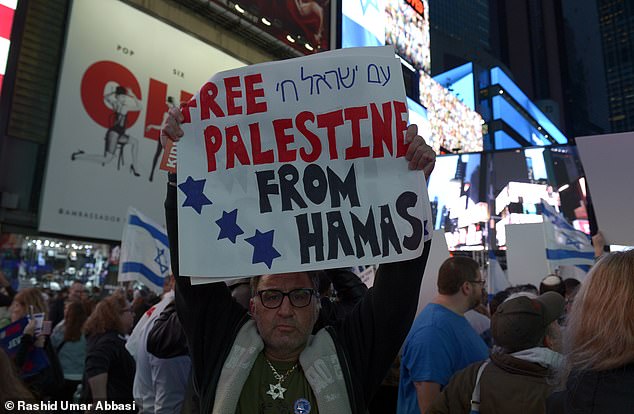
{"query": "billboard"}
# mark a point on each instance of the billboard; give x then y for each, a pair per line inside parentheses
(117, 82)
(7, 12)
(302, 24)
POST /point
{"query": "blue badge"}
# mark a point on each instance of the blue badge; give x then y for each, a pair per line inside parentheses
(301, 406)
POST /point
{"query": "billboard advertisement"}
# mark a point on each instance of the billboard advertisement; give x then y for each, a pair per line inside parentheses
(307, 22)
(7, 11)
(117, 82)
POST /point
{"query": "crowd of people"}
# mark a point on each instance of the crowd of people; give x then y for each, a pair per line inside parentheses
(282, 344)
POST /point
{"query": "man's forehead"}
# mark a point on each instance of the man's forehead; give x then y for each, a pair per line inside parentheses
(299, 279)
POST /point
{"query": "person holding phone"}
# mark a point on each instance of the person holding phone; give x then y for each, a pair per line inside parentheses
(43, 383)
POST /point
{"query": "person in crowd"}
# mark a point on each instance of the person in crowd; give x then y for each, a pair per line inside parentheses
(441, 341)
(159, 384)
(497, 300)
(45, 382)
(109, 371)
(6, 297)
(599, 342)
(11, 385)
(479, 318)
(70, 344)
(349, 290)
(552, 283)
(270, 361)
(57, 306)
(140, 304)
(519, 374)
(167, 386)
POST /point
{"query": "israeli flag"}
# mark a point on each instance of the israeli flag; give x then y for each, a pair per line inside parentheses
(564, 244)
(145, 254)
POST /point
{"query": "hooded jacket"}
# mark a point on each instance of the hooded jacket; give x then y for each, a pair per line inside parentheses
(507, 385)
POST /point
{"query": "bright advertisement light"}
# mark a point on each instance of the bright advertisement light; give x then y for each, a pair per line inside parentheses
(454, 125)
(7, 11)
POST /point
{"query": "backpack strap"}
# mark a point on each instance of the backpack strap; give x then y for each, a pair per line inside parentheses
(475, 396)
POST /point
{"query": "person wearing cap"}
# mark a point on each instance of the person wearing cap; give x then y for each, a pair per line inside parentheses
(518, 376)
(552, 283)
(441, 341)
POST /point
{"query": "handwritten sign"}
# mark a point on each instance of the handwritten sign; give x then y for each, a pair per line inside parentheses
(294, 165)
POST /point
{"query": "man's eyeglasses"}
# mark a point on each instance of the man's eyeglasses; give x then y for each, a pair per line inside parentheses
(273, 298)
(480, 282)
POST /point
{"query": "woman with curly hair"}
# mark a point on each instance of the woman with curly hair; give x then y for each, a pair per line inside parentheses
(599, 341)
(70, 343)
(109, 372)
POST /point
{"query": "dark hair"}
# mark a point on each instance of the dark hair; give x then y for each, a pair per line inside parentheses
(571, 284)
(313, 275)
(552, 283)
(454, 272)
(74, 321)
(497, 300)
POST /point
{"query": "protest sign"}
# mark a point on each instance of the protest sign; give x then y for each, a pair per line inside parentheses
(294, 165)
(605, 159)
(11, 340)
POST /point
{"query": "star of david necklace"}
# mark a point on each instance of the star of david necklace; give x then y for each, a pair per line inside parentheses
(277, 391)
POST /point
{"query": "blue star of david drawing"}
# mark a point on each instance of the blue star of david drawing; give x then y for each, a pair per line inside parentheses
(193, 189)
(161, 260)
(263, 250)
(229, 228)
(366, 3)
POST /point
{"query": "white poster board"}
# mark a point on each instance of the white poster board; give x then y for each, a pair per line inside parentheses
(438, 253)
(119, 70)
(606, 162)
(299, 165)
(526, 253)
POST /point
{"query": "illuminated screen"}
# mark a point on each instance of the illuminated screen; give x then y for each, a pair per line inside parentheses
(408, 31)
(460, 82)
(7, 10)
(498, 77)
(380, 22)
(455, 127)
(305, 21)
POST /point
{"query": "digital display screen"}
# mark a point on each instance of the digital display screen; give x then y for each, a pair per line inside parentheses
(455, 127)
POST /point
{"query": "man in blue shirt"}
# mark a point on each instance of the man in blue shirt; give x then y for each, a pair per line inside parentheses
(441, 341)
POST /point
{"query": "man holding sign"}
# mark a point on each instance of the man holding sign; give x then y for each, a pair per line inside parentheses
(249, 151)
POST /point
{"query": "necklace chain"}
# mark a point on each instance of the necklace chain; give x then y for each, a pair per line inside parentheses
(278, 377)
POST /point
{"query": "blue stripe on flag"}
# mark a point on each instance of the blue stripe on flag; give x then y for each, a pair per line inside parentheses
(568, 254)
(585, 268)
(134, 267)
(156, 233)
